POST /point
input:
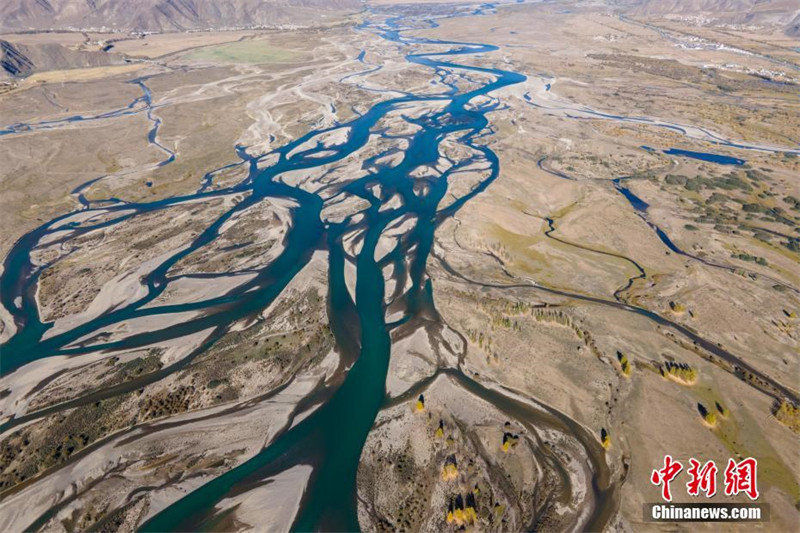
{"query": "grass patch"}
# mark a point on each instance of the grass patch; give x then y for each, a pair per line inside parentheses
(79, 74)
(740, 434)
(248, 51)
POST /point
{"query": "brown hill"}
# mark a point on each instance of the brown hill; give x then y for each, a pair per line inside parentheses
(18, 60)
(720, 8)
(775, 13)
(164, 15)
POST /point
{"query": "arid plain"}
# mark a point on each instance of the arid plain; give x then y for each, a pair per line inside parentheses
(358, 272)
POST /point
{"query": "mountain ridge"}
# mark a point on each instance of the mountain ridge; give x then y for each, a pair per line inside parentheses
(778, 13)
(164, 15)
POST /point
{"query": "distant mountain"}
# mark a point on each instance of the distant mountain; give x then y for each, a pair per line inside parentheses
(163, 15)
(780, 13)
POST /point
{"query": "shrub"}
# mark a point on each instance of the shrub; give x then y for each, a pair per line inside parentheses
(788, 414)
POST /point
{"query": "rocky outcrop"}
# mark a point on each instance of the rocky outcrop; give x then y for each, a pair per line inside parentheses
(13, 62)
(794, 27)
(20, 61)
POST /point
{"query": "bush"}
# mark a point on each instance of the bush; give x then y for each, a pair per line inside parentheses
(624, 364)
(605, 438)
(680, 371)
(751, 258)
(789, 415)
(717, 198)
(672, 179)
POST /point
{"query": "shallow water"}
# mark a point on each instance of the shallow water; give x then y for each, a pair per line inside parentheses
(332, 437)
(706, 156)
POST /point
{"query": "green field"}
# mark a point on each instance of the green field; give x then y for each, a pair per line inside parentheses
(249, 51)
